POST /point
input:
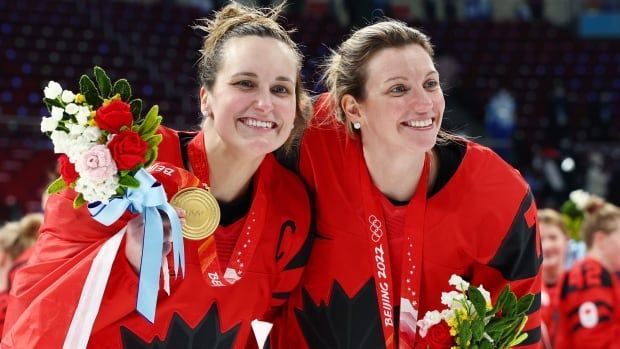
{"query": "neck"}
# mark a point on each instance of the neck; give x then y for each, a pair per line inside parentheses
(596, 254)
(230, 171)
(396, 173)
(551, 275)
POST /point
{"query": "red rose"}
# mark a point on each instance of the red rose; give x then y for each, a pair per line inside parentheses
(113, 116)
(438, 337)
(128, 150)
(67, 170)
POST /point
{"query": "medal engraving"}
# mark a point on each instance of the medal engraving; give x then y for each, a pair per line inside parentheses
(202, 212)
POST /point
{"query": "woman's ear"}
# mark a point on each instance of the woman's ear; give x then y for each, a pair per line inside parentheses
(352, 110)
(205, 107)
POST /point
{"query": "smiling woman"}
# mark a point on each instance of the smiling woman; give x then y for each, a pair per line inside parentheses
(251, 100)
(400, 204)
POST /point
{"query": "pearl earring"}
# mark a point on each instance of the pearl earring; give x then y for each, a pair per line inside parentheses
(357, 125)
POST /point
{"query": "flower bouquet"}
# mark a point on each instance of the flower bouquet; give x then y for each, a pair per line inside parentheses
(106, 144)
(102, 146)
(472, 321)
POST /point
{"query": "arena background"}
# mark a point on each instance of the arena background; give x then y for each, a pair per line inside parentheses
(537, 80)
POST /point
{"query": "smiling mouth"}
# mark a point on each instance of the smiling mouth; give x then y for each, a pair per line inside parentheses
(419, 123)
(267, 125)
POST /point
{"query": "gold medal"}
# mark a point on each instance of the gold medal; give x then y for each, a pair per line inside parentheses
(202, 212)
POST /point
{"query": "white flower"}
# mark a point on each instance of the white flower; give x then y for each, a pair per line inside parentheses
(91, 134)
(77, 147)
(75, 129)
(431, 318)
(451, 298)
(48, 124)
(61, 141)
(57, 113)
(82, 115)
(67, 96)
(53, 90)
(71, 109)
(458, 282)
(97, 190)
(580, 198)
(486, 294)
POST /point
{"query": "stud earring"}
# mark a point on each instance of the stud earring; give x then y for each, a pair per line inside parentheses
(357, 125)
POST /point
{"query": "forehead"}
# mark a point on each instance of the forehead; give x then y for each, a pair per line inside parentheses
(394, 61)
(254, 53)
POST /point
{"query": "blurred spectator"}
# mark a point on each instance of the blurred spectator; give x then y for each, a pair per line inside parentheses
(597, 176)
(601, 124)
(523, 11)
(500, 122)
(451, 10)
(537, 9)
(589, 303)
(16, 240)
(554, 241)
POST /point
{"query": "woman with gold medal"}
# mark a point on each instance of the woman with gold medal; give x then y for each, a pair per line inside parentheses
(246, 218)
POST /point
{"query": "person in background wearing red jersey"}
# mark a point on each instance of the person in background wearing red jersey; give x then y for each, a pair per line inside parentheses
(590, 290)
(400, 205)
(251, 99)
(554, 240)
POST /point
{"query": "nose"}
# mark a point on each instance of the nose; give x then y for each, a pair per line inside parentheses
(421, 101)
(264, 101)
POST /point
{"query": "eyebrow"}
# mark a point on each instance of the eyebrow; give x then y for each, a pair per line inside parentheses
(405, 78)
(253, 75)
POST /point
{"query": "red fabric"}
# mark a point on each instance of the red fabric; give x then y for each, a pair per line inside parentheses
(589, 308)
(395, 222)
(550, 311)
(465, 225)
(46, 292)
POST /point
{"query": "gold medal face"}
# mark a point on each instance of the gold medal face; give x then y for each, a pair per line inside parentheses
(202, 212)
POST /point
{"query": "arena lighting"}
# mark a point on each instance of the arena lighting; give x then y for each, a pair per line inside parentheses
(568, 164)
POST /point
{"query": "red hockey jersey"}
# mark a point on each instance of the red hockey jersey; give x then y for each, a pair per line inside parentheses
(589, 308)
(195, 315)
(480, 223)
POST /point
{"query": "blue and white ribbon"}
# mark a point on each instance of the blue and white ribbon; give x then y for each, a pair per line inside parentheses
(147, 200)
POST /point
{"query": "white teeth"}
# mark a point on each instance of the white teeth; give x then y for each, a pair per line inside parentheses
(419, 123)
(258, 123)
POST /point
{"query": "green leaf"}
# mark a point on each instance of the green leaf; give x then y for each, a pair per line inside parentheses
(476, 297)
(88, 89)
(154, 140)
(524, 304)
(79, 201)
(151, 156)
(465, 334)
(122, 87)
(136, 108)
(129, 181)
(510, 306)
(499, 304)
(49, 103)
(103, 81)
(151, 122)
(477, 329)
(56, 186)
(485, 344)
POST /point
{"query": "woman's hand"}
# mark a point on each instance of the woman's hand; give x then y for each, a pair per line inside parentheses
(135, 238)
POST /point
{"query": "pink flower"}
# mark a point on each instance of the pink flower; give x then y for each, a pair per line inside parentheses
(96, 164)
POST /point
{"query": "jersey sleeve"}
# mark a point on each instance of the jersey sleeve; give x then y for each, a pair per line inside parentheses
(516, 263)
(589, 307)
(46, 292)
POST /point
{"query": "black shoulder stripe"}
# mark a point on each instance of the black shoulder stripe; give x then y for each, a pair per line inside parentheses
(533, 337)
(517, 257)
(280, 295)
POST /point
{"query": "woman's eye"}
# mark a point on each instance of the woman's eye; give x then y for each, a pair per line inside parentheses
(398, 89)
(245, 83)
(431, 84)
(280, 90)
